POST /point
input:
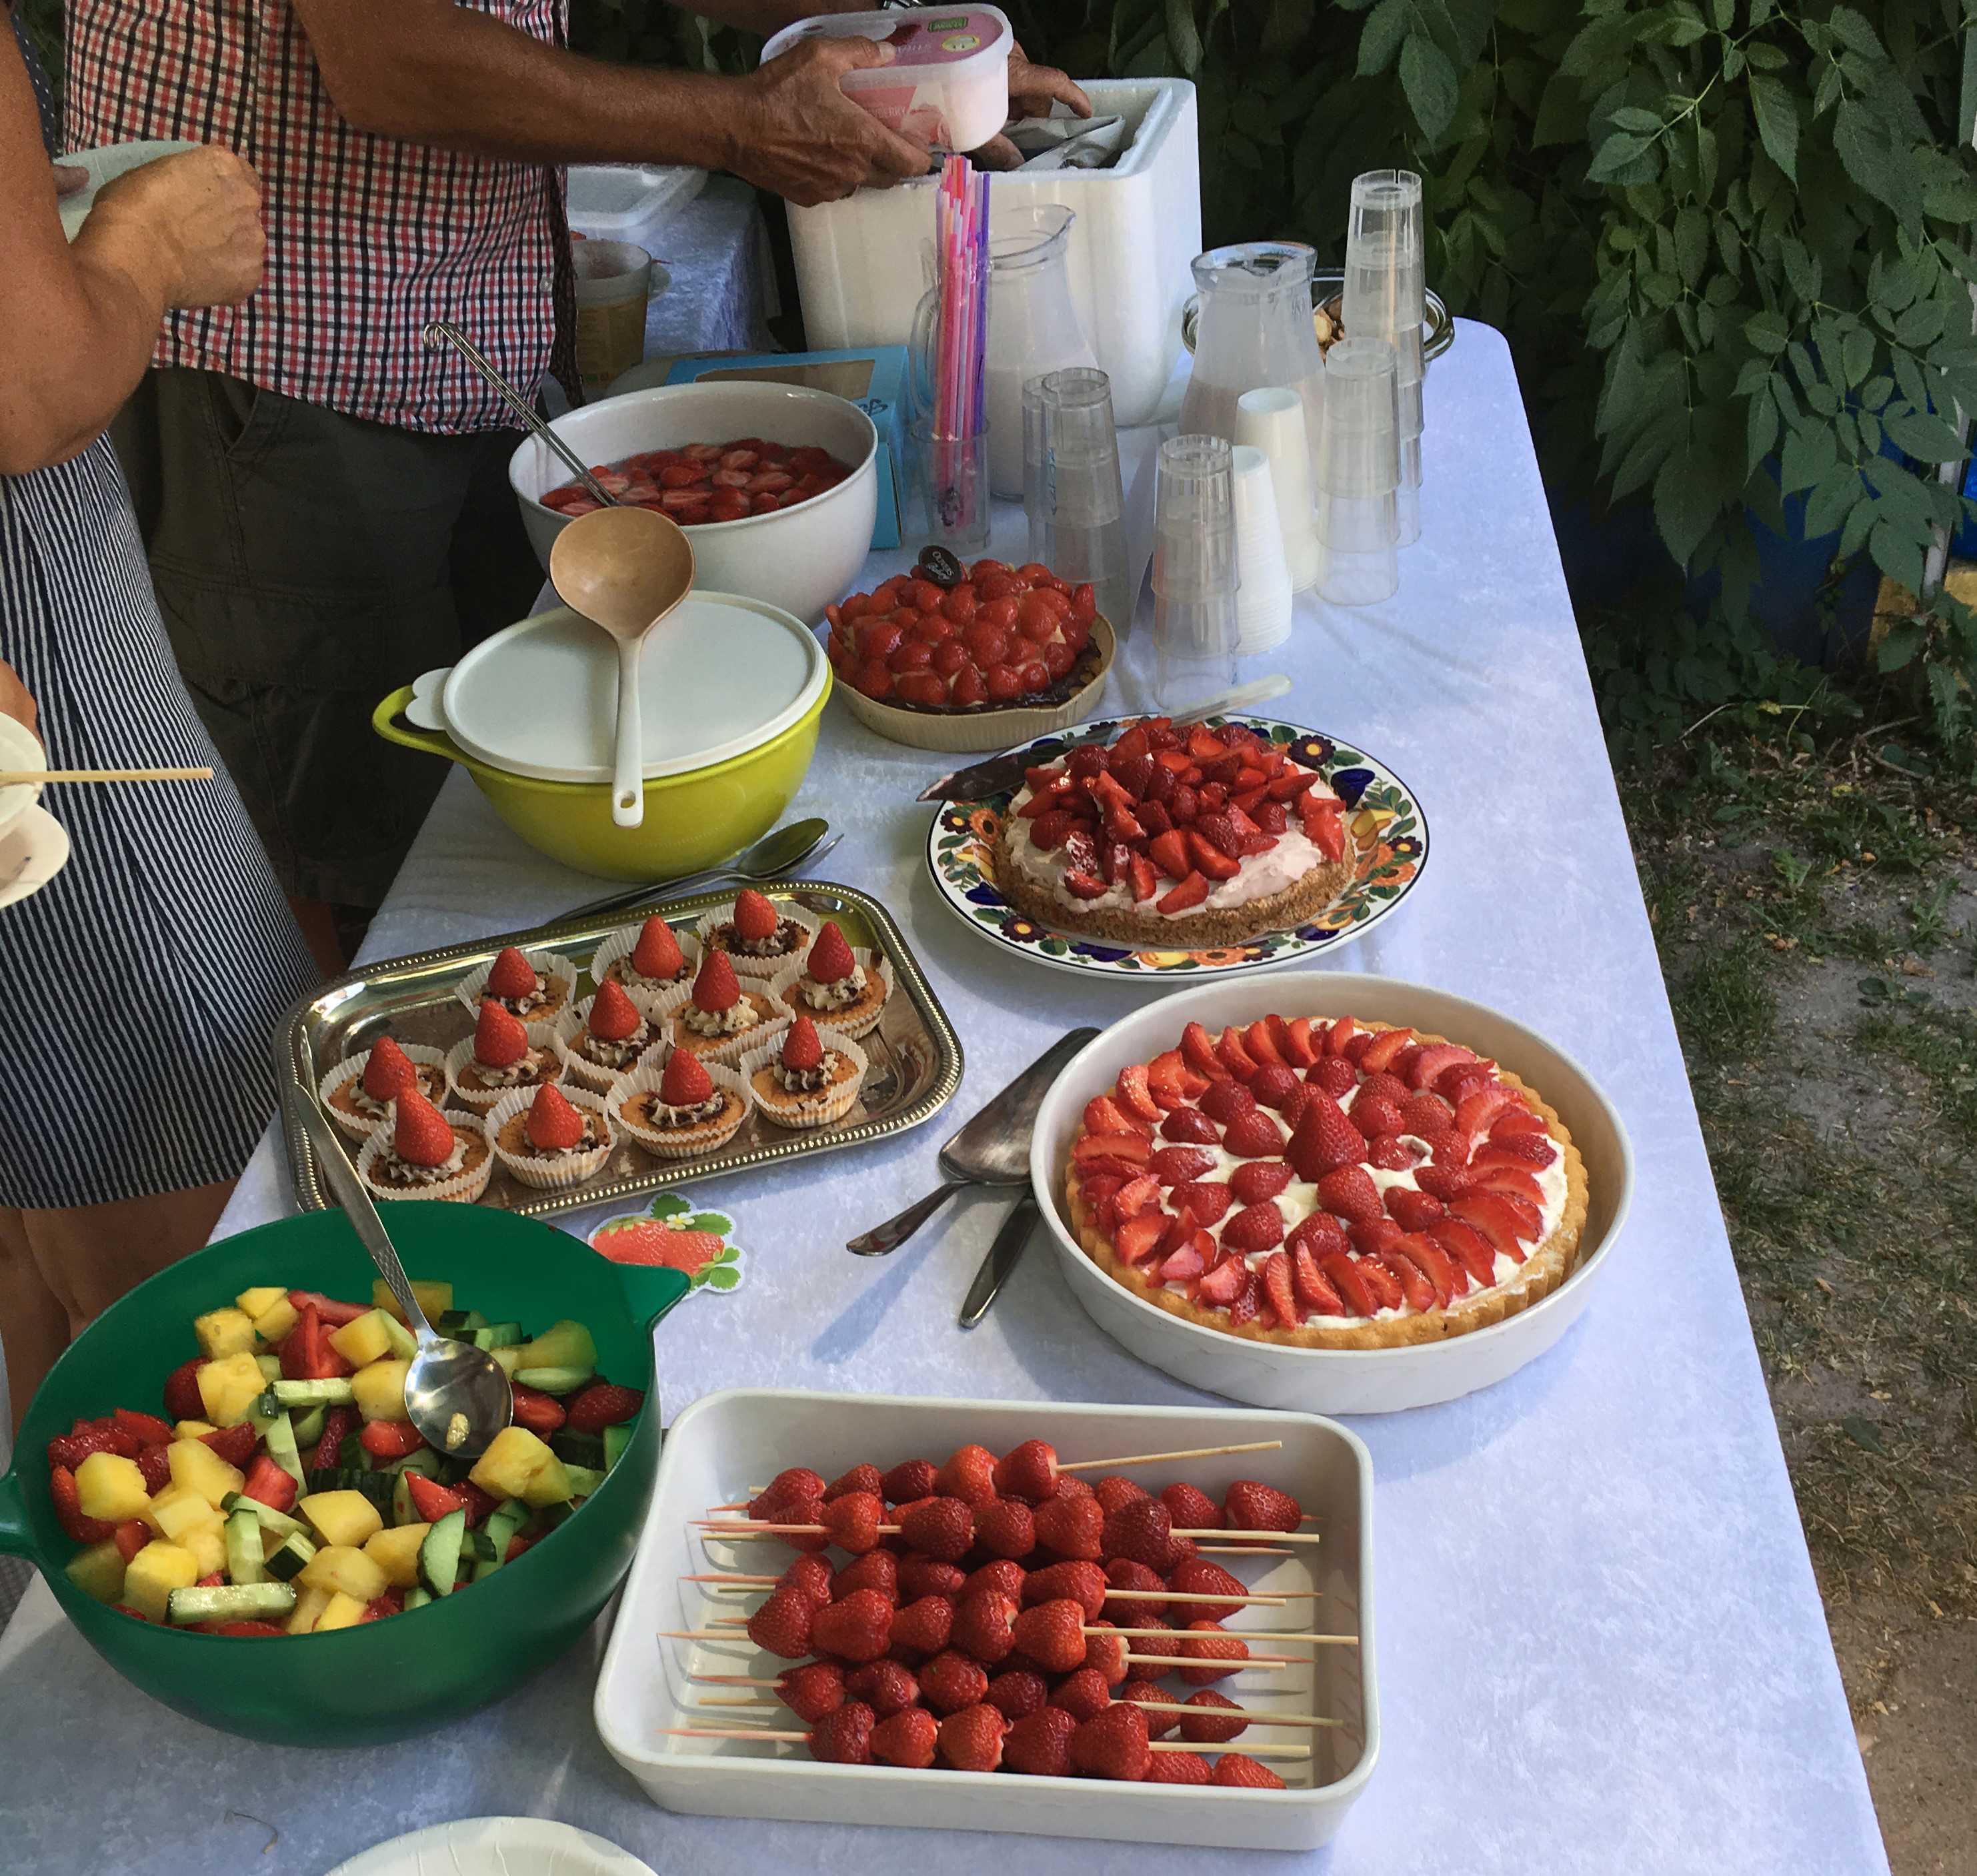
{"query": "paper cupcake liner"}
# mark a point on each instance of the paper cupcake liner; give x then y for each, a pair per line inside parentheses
(541, 1036)
(588, 1074)
(547, 964)
(463, 1188)
(763, 968)
(649, 1074)
(728, 1051)
(621, 944)
(782, 987)
(352, 1126)
(826, 1107)
(566, 1169)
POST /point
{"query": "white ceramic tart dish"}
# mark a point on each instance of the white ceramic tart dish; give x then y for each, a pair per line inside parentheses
(727, 1440)
(1408, 1352)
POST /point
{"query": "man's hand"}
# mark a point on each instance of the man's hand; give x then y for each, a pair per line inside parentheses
(800, 135)
(196, 216)
(1033, 89)
(15, 701)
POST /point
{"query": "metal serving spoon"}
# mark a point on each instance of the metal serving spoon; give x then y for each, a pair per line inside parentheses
(778, 854)
(456, 1395)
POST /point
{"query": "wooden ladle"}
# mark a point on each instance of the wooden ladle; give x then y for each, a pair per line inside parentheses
(624, 569)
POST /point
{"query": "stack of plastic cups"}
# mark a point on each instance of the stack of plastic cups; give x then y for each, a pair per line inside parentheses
(1033, 463)
(1083, 498)
(1263, 587)
(1194, 572)
(1272, 420)
(1359, 472)
(1386, 298)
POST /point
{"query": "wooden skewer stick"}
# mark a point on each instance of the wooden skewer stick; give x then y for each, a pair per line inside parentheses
(1268, 1664)
(1250, 1716)
(778, 1736)
(1246, 1550)
(723, 1527)
(1272, 1599)
(30, 777)
(1157, 1459)
(737, 1622)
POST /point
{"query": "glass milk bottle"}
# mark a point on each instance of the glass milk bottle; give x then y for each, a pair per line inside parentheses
(1254, 329)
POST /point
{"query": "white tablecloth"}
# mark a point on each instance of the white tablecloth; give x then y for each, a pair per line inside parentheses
(1602, 1648)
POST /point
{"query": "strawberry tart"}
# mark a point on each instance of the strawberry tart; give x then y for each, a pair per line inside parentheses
(1328, 1184)
(684, 1107)
(502, 1053)
(604, 1038)
(1197, 837)
(357, 1094)
(761, 940)
(421, 1153)
(645, 959)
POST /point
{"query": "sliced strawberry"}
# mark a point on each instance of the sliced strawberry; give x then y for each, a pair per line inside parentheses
(1343, 1272)
(1145, 876)
(1320, 1234)
(1082, 885)
(1104, 1115)
(1412, 1210)
(1198, 1046)
(1314, 1288)
(1435, 1263)
(1168, 1077)
(305, 1352)
(147, 1428)
(1179, 1232)
(338, 1423)
(1519, 1151)
(1289, 783)
(1381, 1283)
(1297, 1044)
(1096, 1186)
(1278, 1291)
(430, 1499)
(1433, 1061)
(131, 1537)
(1416, 1291)
(1134, 1094)
(1262, 1045)
(234, 1445)
(1249, 1301)
(1136, 1197)
(1235, 1057)
(333, 1311)
(541, 1414)
(1138, 1236)
(1385, 1045)
(1183, 1264)
(1342, 1031)
(1513, 1121)
(1210, 858)
(1468, 1249)
(1475, 1112)
(1516, 1181)
(68, 1509)
(392, 1439)
(1177, 1165)
(1224, 1284)
(1192, 891)
(1498, 1217)
(1135, 1148)
(270, 1483)
(1324, 824)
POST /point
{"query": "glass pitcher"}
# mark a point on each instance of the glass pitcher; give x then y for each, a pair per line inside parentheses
(1033, 328)
(1254, 330)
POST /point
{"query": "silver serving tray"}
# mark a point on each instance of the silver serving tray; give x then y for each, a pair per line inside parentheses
(914, 1054)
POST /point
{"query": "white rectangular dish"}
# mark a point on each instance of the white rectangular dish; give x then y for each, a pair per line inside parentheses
(1342, 1381)
(728, 1441)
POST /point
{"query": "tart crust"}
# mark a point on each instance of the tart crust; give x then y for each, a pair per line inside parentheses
(816, 1107)
(1547, 1267)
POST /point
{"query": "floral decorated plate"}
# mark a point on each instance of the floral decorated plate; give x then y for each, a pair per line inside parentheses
(1389, 833)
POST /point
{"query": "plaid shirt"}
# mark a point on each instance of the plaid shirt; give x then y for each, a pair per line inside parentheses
(368, 238)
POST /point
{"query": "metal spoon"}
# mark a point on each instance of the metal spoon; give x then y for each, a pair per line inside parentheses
(625, 569)
(777, 854)
(456, 1395)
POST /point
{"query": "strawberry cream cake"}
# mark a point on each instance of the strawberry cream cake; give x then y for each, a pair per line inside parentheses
(1197, 837)
(1324, 1184)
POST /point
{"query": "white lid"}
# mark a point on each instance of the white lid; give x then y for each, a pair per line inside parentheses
(616, 199)
(720, 677)
(932, 41)
(19, 751)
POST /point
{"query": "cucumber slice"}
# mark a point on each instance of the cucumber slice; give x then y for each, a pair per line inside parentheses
(555, 1380)
(417, 1598)
(459, 1323)
(616, 1438)
(276, 1523)
(285, 1561)
(243, 1548)
(312, 1394)
(577, 1449)
(419, 1459)
(403, 1511)
(439, 1556)
(307, 1425)
(351, 1455)
(502, 1522)
(280, 1434)
(479, 1545)
(405, 1344)
(498, 1336)
(237, 1602)
(583, 1479)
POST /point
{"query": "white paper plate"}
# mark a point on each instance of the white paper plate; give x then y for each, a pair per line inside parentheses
(496, 1847)
(105, 165)
(33, 848)
(20, 748)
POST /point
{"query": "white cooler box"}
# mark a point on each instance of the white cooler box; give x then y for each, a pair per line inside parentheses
(860, 272)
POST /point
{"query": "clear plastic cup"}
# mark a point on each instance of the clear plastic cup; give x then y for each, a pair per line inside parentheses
(1034, 508)
(1359, 446)
(1361, 553)
(1195, 578)
(1385, 269)
(950, 475)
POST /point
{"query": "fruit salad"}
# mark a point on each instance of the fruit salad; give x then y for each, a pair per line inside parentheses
(284, 1491)
(700, 483)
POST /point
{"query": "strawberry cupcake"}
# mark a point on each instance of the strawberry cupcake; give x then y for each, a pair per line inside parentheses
(550, 1137)
(687, 1106)
(603, 1037)
(534, 986)
(716, 1019)
(421, 1153)
(358, 1093)
(645, 959)
(805, 1076)
(835, 986)
(760, 938)
(502, 1055)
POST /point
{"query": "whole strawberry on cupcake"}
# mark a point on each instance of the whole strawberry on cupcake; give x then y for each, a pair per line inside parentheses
(686, 1106)
(605, 1037)
(761, 940)
(534, 986)
(424, 1154)
(714, 1018)
(835, 984)
(552, 1137)
(357, 1094)
(808, 1078)
(502, 1053)
(646, 959)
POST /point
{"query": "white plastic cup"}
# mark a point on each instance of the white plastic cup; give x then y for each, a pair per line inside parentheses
(1263, 589)
(1272, 420)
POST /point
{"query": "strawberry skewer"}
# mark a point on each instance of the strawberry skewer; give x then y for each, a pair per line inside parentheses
(1273, 1599)
(835, 1737)
(719, 1527)
(737, 1623)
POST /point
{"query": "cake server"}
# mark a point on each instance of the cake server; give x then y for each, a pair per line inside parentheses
(992, 1149)
(1004, 773)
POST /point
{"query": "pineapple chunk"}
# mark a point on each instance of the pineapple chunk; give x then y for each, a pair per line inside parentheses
(564, 1345)
(195, 1429)
(380, 1390)
(548, 1485)
(274, 1322)
(256, 1301)
(396, 1552)
(98, 1571)
(341, 1612)
(343, 1518)
(179, 1509)
(510, 1359)
(513, 1457)
(307, 1611)
(157, 1570)
(338, 1566)
(206, 1545)
(223, 1332)
(112, 1488)
(228, 1387)
(434, 1298)
(363, 1341)
(197, 1467)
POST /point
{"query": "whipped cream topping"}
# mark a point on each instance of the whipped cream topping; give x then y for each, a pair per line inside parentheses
(521, 1005)
(666, 1115)
(807, 1081)
(629, 975)
(786, 937)
(592, 1139)
(515, 1075)
(845, 991)
(416, 1174)
(365, 1102)
(608, 1055)
(738, 1015)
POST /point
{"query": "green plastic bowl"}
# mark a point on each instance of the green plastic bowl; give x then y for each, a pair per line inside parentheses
(383, 1680)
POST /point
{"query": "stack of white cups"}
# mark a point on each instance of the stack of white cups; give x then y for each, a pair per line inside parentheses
(1272, 420)
(1263, 589)
(1386, 298)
